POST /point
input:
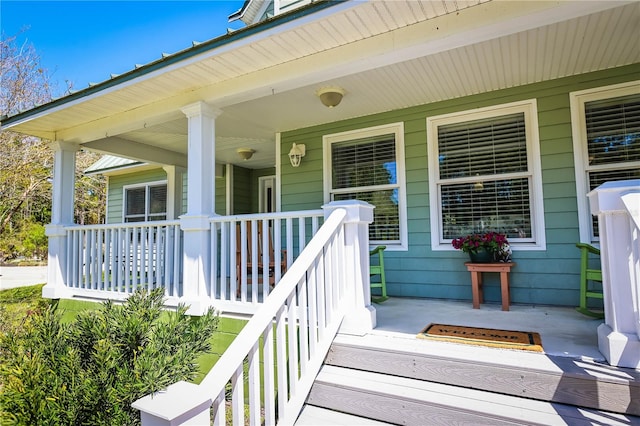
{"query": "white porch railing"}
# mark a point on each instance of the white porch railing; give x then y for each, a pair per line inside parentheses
(124, 257)
(279, 352)
(250, 253)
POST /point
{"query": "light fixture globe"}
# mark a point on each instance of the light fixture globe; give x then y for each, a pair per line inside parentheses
(330, 96)
(245, 153)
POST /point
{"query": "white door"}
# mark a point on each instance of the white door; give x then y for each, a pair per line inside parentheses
(267, 196)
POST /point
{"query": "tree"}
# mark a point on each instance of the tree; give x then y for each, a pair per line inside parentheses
(26, 162)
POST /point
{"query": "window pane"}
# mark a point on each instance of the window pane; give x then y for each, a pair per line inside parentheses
(483, 147)
(386, 218)
(613, 130)
(501, 206)
(158, 199)
(134, 219)
(364, 162)
(135, 201)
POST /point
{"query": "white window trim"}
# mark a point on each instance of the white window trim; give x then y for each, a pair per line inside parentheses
(530, 109)
(398, 130)
(145, 185)
(579, 133)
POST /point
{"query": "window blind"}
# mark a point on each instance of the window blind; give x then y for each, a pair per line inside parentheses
(483, 147)
(613, 130)
(501, 205)
(135, 201)
(386, 215)
(613, 142)
(364, 162)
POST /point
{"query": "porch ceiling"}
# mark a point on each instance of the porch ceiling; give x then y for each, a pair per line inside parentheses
(386, 55)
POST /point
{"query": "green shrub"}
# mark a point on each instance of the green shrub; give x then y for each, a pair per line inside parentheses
(90, 370)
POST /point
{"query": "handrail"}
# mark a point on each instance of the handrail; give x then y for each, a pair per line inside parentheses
(313, 315)
(154, 223)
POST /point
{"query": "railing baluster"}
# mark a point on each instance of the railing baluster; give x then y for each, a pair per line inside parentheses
(254, 261)
(321, 295)
(277, 251)
(303, 326)
(269, 376)
(213, 278)
(266, 279)
(224, 254)
(254, 384)
(293, 343)
(77, 255)
(243, 261)
(220, 408)
(302, 240)
(177, 260)
(237, 395)
(281, 359)
(312, 306)
(100, 265)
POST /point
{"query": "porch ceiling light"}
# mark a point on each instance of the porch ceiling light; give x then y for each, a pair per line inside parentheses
(296, 154)
(245, 153)
(330, 96)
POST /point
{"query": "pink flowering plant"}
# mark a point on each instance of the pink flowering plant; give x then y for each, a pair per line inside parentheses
(492, 242)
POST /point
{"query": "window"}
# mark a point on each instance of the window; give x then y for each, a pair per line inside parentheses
(368, 165)
(484, 171)
(606, 142)
(146, 202)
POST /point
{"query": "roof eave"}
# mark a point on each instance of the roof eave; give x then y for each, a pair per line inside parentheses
(196, 49)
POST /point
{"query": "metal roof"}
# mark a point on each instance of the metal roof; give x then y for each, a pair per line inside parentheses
(110, 162)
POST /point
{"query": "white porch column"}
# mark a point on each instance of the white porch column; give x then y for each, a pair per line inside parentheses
(361, 315)
(200, 204)
(617, 205)
(175, 176)
(62, 207)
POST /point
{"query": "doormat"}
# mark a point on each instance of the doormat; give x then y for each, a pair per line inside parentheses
(507, 339)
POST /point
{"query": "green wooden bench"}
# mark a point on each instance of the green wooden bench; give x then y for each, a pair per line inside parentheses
(588, 275)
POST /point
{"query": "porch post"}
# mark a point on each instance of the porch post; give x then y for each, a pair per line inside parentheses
(617, 205)
(200, 205)
(62, 203)
(361, 315)
(174, 191)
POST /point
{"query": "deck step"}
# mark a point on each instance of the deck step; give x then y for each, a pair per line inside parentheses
(317, 416)
(581, 383)
(407, 401)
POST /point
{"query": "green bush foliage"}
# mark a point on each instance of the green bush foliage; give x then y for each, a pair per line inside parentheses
(89, 371)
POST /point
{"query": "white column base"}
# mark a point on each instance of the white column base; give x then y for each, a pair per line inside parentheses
(181, 403)
(359, 322)
(51, 291)
(620, 349)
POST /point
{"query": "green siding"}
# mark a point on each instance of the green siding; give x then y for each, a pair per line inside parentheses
(221, 196)
(115, 193)
(540, 277)
(242, 190)
(116, 183)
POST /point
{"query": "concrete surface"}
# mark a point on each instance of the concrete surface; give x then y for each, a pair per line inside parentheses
(19, 276)
(564, 331)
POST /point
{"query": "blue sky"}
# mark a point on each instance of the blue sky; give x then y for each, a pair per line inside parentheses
(86, 41)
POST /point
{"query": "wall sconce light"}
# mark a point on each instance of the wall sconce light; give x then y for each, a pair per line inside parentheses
(245, 153)
(330, 96)
(296, 154)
